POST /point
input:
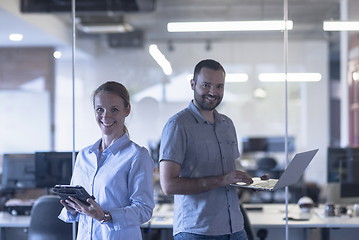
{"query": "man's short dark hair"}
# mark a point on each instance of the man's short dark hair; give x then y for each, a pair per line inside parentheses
(207, 63)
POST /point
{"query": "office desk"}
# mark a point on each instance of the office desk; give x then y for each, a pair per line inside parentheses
(8, 220)
(317, 227)
(337, 222)
(13, 227)
(301, 226)
(305, 226)
(273, 215)
(269, 218)
(162, 217)
(339, 227)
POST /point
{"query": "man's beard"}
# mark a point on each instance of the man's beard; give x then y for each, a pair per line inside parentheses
(204, 103)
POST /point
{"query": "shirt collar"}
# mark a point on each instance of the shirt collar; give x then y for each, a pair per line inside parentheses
(115, 147)
(217, 117)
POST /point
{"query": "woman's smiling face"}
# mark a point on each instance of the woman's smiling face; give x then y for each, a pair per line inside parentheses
(110, 113)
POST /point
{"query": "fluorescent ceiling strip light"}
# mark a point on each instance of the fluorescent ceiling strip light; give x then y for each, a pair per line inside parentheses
(228, 26)
(340, 26)
(236, 77)
(16, 37)
(291, 77)
(160, 59)
(105, 28)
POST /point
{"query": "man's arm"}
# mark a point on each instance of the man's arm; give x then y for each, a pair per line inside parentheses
(172, 183)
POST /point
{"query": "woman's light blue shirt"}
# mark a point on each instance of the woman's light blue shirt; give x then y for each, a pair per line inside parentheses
(121, 181)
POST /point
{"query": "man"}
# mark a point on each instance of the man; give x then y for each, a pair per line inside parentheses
(197, 163)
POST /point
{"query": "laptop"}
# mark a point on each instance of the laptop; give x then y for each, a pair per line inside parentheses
(290, 175)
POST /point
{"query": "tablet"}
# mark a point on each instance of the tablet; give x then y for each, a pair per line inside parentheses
(64, 191)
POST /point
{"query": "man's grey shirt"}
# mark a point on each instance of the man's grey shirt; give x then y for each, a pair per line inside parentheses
(203, 149)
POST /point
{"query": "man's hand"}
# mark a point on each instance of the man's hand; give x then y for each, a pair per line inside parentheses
(236, 176)
(172, 183)
(265, 176)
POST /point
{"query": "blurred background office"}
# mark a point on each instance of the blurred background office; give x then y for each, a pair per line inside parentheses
(41, 112)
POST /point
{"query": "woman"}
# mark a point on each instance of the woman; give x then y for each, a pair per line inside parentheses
(116, 171)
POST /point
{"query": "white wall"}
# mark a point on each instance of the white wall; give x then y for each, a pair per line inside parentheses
(25, 112)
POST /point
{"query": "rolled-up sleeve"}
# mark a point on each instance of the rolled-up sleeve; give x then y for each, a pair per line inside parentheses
(173, 143)
(68, 217)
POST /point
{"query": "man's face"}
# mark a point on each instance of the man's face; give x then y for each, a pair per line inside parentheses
(208, 89)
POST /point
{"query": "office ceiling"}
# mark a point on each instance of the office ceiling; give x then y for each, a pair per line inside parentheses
(54, 30)
(307, 15)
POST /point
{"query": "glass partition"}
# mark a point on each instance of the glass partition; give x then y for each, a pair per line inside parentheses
(36, 85)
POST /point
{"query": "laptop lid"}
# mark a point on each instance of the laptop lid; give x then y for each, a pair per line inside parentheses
(295, 169)
(289, 177)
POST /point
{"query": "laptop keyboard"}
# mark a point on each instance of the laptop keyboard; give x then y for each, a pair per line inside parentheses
(267, 184)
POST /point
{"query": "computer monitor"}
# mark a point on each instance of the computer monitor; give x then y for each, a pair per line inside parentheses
(52, 168)
(267, 144)
(18, 171)
(343, 174)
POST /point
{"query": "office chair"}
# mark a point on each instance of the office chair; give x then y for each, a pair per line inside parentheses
(247, 223)
(44, 224)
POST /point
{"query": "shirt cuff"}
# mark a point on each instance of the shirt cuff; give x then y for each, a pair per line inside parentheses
(66, 216)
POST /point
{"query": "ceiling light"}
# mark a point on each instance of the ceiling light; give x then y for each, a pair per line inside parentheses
(57, 54)
(340, 26)
(16, 37)
(228, 26)
(104, 27)
(356, 76)
(160, 59)
(291, 77)
(236, 77)
(260, 93)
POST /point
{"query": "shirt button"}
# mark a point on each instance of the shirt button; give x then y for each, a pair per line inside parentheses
(229, 205)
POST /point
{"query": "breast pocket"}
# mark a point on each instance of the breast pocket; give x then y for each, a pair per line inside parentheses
(203, 157)
(232, 146)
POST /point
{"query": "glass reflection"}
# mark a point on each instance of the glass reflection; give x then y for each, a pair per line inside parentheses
(36, 97)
